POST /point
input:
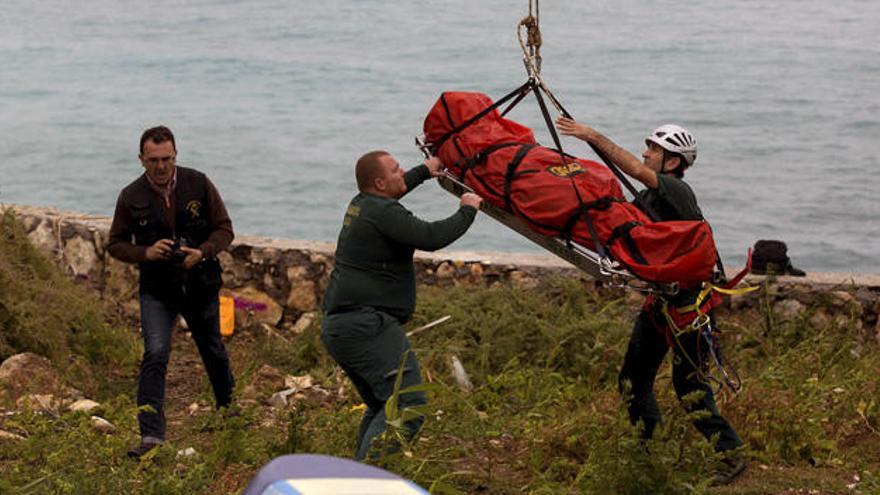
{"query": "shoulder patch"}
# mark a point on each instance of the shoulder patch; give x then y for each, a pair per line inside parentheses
(351, 213)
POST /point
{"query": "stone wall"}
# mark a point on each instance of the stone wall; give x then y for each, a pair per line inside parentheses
(280, 282)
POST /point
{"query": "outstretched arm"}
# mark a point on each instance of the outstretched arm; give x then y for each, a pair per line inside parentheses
(401, 225)
(627, 162)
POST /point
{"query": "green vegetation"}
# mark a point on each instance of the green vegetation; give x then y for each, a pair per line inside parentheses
(44, 312)
(544, 417)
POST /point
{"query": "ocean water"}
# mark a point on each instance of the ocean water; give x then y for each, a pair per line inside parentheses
(275, 100)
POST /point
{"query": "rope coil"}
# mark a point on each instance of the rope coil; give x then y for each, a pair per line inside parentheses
(532, 44)
(528, 33)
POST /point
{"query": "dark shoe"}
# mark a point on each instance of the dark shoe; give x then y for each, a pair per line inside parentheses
(728, 470)
(144, 447)
(231, 411)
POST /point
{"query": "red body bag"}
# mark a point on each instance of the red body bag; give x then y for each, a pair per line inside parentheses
(501, 161)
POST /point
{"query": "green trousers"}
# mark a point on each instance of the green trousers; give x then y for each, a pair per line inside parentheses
(368, 345)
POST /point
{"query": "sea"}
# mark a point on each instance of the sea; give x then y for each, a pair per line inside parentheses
(276, 99)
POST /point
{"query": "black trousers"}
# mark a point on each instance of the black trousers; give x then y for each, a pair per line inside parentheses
(646, 350)
(157, 318)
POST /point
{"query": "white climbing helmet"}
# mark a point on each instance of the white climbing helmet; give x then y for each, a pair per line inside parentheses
(675, 139)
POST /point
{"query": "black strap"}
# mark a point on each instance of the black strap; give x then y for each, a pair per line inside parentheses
(446, 109)
(600, 249)
(466, 164)
(515, 102)
(600, 204)
(622, 178)
(622, 231)
(568, 226)
(451, 124)
(469, 164)
(591, 228)
(511, 171)
(549, 122)
(603, 203)
(524, 88)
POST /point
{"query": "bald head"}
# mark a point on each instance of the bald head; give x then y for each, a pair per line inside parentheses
(368, 169)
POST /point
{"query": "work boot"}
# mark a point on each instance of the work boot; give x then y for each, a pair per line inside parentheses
(146, 445)
(230, 411)
(728, 470)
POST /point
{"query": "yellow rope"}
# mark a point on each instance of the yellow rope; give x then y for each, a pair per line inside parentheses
(708, 290)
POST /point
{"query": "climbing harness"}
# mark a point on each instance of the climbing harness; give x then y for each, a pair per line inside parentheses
(696, 317)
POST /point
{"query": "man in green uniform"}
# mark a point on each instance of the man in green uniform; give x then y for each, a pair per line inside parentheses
(372, 289)
(670, 150)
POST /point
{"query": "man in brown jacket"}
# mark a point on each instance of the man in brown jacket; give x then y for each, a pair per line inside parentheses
(172, 222)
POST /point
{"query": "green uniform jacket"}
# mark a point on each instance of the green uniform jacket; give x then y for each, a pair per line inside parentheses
(374, 253)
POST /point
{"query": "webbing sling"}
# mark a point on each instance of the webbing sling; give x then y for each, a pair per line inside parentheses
(451, 123)
(600, 204)
(622, 178)
(600, 249)
(515, 102)
(525, 88)
(622, 231)
(511, 172)
(512, 166)
(466, 164)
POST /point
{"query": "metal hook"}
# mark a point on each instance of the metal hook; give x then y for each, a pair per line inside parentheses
(701, 321)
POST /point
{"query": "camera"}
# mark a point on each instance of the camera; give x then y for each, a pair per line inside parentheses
(177, 254)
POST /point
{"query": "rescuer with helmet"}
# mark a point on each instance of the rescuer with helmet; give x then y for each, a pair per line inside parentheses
(669, 151)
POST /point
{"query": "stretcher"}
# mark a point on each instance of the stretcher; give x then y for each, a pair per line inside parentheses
(601, 269)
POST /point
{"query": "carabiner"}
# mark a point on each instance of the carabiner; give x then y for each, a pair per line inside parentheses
(701, 321)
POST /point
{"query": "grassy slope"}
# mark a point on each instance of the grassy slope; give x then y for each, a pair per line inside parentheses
(545, 416)
(43, 311)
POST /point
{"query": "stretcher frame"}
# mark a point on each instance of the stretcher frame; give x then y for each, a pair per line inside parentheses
(601, 269)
